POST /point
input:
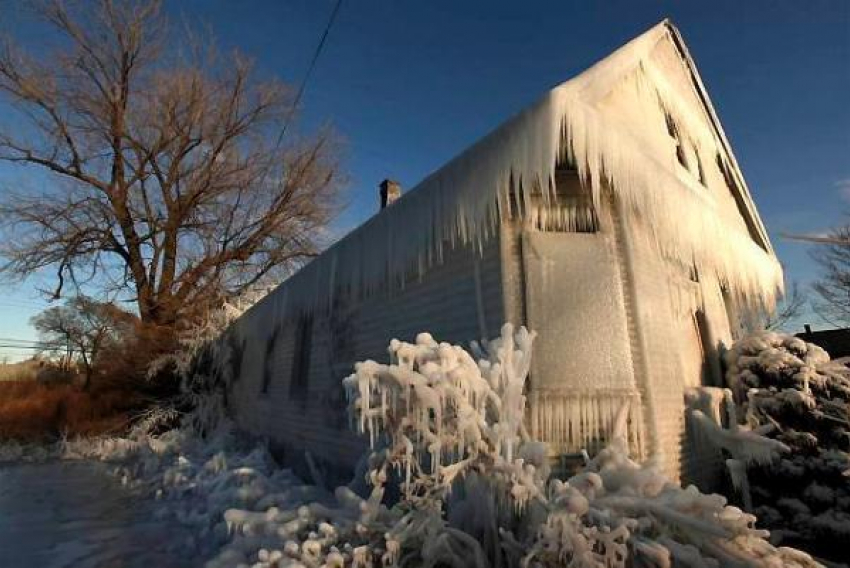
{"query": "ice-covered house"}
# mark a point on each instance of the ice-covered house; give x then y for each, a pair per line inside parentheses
(611, 217)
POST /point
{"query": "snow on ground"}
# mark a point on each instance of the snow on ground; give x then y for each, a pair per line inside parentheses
(471, 488)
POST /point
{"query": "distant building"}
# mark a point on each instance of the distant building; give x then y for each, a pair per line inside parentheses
(836, 342)
(611, 217)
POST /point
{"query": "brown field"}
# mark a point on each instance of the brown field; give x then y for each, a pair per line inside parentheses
(31, 411)
(23, 371)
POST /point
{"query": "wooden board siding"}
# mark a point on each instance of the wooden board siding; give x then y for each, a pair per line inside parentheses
(662, 389)
(636, 309)
(450, 301)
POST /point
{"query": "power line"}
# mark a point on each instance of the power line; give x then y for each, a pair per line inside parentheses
(306, 77)
(32, 344)
(19, 304)
(21, 340)
(7, 343)
(25, 342)
(13, 299)
(32, 348)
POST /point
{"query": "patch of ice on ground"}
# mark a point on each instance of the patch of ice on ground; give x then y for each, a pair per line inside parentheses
(56, 514)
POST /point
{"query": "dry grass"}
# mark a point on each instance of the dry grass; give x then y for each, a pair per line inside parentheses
(23, 371)
(34, 412)
(33, 370)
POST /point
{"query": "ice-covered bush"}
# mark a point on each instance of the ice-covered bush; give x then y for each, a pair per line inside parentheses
(790, 391)
(203, 362)
(473, 489)
(204, 338)
(452, 480)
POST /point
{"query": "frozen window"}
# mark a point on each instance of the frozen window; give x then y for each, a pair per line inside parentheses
(701, 171)
(707, 350)
(301, 355)
(570, 208)
(673, 131)
(268, 361)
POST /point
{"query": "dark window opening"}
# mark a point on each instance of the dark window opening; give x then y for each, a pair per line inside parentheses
(693, 274)
(735, 190)
(708, 351)
(236, 350)
(570, 209)
(673, 131)
(301, 355)
(701, 171)
(268, 361)
(341, 328)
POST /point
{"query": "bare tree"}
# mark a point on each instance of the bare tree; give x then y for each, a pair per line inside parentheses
(171, 180)
(86, 327)
(787, 310)
(833, 288)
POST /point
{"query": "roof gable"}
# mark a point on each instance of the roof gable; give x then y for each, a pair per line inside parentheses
(655, 68)
(594, 122)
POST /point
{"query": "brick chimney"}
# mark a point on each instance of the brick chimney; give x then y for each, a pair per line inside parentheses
(390, 191)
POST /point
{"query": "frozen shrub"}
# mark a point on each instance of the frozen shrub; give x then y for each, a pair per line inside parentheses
(790, 391)
(204, 363)
(473, 489)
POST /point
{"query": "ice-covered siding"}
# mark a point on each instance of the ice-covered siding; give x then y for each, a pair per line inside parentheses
(458, 300)
(582, 371)
(681, 315)
(642, 134)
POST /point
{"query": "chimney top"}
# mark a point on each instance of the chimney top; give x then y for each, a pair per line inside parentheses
(390, 191)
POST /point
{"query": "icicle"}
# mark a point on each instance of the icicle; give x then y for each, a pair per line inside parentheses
(572, 420)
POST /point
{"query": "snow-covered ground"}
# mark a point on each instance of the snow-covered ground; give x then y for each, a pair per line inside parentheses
(59, 514)
(472, 488)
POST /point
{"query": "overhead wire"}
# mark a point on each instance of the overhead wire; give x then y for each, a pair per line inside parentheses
(309, 71)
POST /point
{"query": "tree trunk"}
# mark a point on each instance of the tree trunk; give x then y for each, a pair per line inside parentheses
(87, 373)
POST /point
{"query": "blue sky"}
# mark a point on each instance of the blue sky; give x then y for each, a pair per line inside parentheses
(410, 84)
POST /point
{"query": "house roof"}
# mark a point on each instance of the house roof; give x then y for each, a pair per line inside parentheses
(836, 342)
(597, 121)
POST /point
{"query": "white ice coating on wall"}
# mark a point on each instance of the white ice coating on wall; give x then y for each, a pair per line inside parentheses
(641, 133)
(610, 123)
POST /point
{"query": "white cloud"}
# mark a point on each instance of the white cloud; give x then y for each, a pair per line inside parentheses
(843, 186)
